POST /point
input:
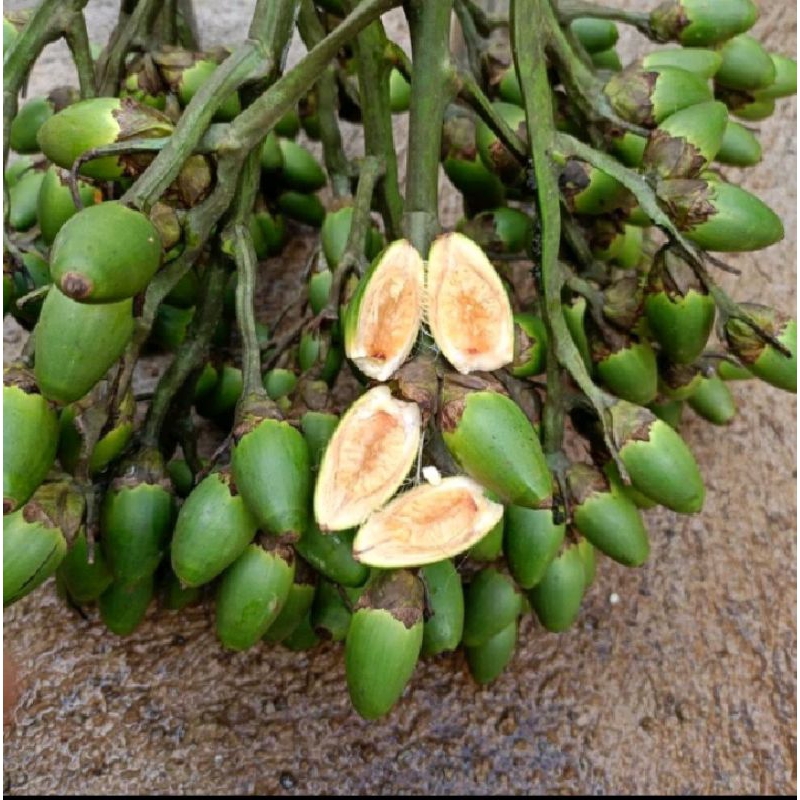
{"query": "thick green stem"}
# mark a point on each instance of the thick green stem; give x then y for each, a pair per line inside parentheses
(376, 112)
(78, 41)
(262, 53)
(528, 38)
(472, 38)
(190, 354)
(431, 90)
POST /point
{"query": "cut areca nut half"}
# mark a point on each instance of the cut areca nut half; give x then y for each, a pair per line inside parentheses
(427, 524)
(384, 316)
(367, 458)
(468, 309)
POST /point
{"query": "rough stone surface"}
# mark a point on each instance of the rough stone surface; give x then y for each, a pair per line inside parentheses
(685, 682)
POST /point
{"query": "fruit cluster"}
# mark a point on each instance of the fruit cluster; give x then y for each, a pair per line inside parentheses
(392, 469)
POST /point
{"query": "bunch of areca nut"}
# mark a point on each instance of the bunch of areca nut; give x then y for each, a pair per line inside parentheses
(412, 436)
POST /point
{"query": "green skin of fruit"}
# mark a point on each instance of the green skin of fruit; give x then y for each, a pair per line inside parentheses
(301, 172)
(496, 158)
(271, 154)
(573, 316)
(556, 599)
(333, 238)
(191, 81)
(54, 204)
(319, 288)
(746, 65)
(532, 360)
(223, 397)
(509, 90)
(481, 189)
(317, 427)
(76, 343)
(594, 34)
(532, 542)
(251, 594)
(279, 382)
(83, 581)
(671, 411)
(208, 379)
(631, 373)
(681, 325)
(22, 197)
(105, 253)
(740, 147)
(495, 443)
(487, 661)
(135, 523)
(122, 608)
(212, 530)
(589, 560)
(741, 222)
(16, 170)
(613, 525)
(713, 401)
(664, 469)
(25, 126)
(379, 658)
(774, 367)
(108, 447)
(607, 59)
(444, 598)
(180, 473)
(35, 276)
(785, 83)
(10, 35)
(332, 555)
(30, 439)
(755, 111)
(630, 253)
(305, 208)
(399, 92)
(703, 63)
(31, 554)
(629, 148)
(302, 638)
(295, 610)
(676, 89)
(186, 292)
(288, 126)
(279, 451)
(505, 230)
(330, 615)
(490, 548)
(491, 602)
(733, 372)
(603, 195)
(272, 230)
(170, 327)
(618, 487)
(679, 391)
(174, 596)
(707, 22)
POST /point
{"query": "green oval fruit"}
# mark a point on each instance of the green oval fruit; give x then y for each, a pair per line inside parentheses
(607, 60)
(607, 519)
(594, 34)
(685, 142)
(671, 411)
(785, 83)
(746, 65)
(698, 23)
(302, 638)
(105, 253)
(648, 96)
(170, 327)
(54, 205)
(301, 172)
(319, 287)
(499, 230)
(487, 661)
(680, 323)
(574, 314)
(25, 126)
(703, 63)
(297, 606)
(278, 450)
(17, 169)
(331, 614)
(175, 596)
(136, 520)
(76, 343)
(713, 401)
(481, 188)
(288, 126)
(122, 608)
(740, 147)
(399, 92)
(251, 594)
(279, 382)
(186, 291)
(631, 372)
(22, 197)
(762, 359)
(556, 599)
(490, 547)
(588, 190)
(222, 398)
(733, 372)
(10, 34)
(84, 581)
(305, 208)
(491, 602)
(628, 148)
(495, 443)
(99, 121)
(611, 471)
(658, 461)
(444, 601)
(271, 154)
(318, 428)
(34, 275)
(384, 642)
(194, 77)
(30, 439)
(272, 229)
(494, 154)
(213, 528)
(33, 547)
(632, 249)
(532, 541)
(721, 216)
(331, 554)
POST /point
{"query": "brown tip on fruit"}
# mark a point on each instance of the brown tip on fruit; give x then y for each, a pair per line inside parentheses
(76, 286)
(8, 505)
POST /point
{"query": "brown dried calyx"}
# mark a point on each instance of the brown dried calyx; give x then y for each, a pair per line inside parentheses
(400, 593)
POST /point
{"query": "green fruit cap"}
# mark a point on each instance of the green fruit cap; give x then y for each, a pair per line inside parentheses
(444, 599)
(631, 372)
(252, 592)
(54, 204)
(495, 443)
(384, 642)
(746, 65)
(105, 253)
(212, 530)
(699, 23)
(76, 343)
(556, 599)
(487, 661)
(740, 147)
(533, 539)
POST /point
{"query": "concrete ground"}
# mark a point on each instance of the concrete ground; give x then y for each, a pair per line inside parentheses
(680, 677)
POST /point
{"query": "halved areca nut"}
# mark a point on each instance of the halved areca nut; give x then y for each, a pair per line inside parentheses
(468, 309)
(367, 458)
(385, 314)
(426, 524)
